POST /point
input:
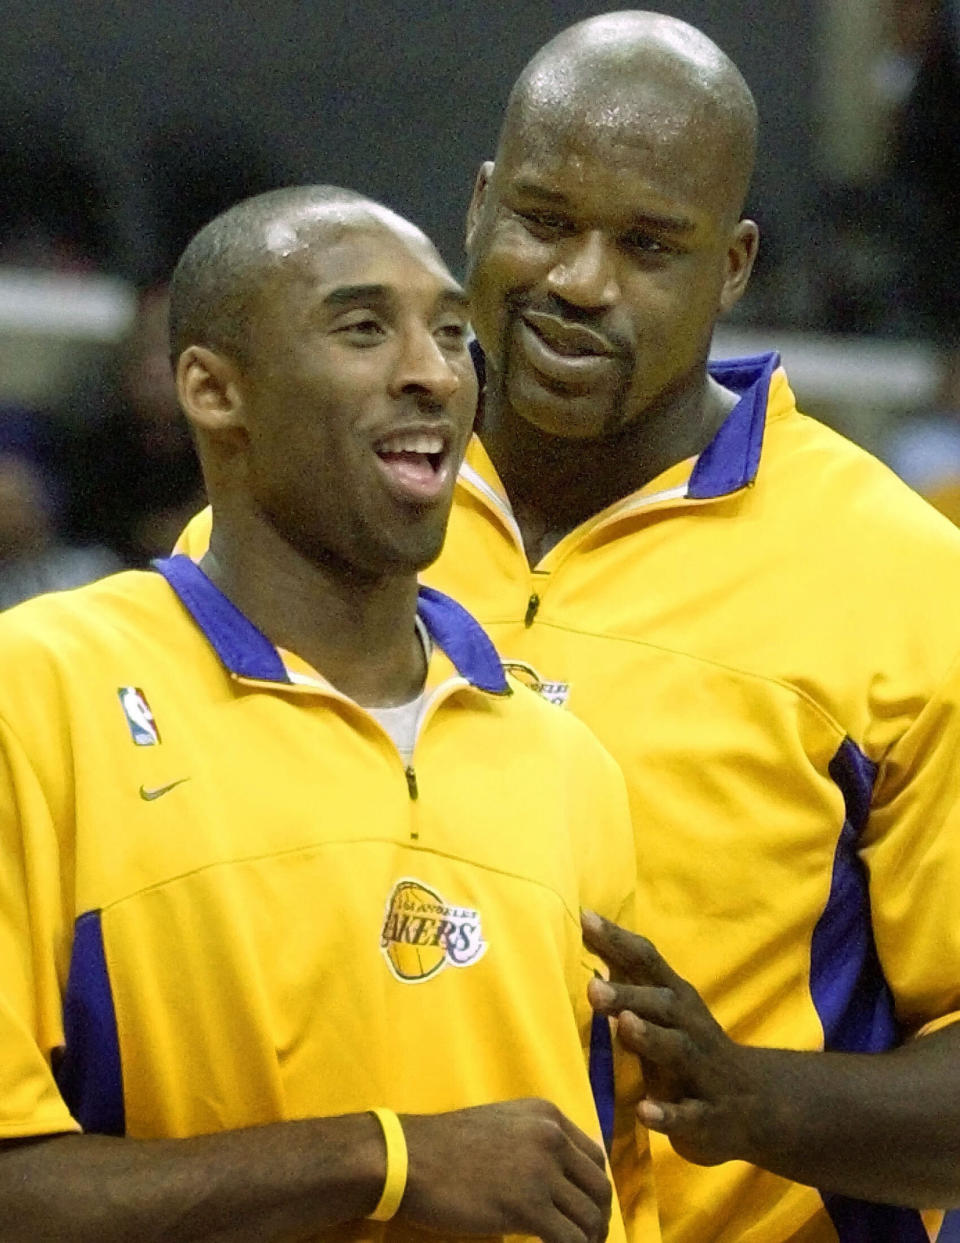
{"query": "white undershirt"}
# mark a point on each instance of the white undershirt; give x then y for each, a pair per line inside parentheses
(401, 723)
(401, 720)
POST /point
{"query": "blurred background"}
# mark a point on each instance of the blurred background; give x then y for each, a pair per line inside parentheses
(125, 127)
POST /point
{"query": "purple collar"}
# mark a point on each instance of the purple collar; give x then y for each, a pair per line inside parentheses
(248, 653)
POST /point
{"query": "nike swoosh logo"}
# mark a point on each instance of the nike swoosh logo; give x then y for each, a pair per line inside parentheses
(149, 795)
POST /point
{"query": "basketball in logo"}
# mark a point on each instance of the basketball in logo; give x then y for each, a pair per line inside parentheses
(423, 933)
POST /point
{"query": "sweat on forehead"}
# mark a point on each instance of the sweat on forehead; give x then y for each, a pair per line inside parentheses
(295, 232)
(224, 269)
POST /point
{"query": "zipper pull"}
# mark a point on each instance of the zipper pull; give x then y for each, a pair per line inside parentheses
(411, 782)
(532, 605)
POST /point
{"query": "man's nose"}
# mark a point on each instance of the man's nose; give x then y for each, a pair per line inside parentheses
(423, 367)
(585, 273)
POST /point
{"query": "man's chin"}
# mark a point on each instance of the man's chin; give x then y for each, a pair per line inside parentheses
(410, 557)
(564, 415)
(429, 554)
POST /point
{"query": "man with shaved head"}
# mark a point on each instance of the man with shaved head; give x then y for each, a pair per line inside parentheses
(761, 624)
(289, 936)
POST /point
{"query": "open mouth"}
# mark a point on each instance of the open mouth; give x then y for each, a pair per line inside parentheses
(415, 463)
(413, 448)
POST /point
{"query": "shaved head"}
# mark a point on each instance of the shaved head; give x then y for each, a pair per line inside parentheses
(217, 288)
(644, 78)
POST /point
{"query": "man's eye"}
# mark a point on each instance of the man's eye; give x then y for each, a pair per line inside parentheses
(452, 334)
(361, 327)
(544, 223)
(646, 244)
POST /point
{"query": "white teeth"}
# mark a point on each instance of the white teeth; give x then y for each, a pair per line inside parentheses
(411, 442)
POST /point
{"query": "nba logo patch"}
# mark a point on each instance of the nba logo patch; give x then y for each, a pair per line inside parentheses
(422, 933)
(140, 722)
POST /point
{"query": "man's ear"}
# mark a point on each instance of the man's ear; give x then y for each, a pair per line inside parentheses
(208, 389)
(475, 209)
(741, 256)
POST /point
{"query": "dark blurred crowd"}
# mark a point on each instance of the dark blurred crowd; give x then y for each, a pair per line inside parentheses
(103, 482)
(104, 476)
(920, 209)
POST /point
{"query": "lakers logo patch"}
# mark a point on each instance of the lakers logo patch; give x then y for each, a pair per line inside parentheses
(422, 933)
(140, 722)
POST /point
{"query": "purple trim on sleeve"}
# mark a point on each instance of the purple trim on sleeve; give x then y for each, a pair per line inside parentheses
(467, 644)
(242, 648)
(849, 990)
(90, 1076)
(730, 461)
(847, 983)
(857, 1221)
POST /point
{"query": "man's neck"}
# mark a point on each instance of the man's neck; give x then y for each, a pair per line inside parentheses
(359, 634)
(554, 484)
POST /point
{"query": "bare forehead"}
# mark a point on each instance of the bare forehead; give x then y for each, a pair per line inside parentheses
(609, 167)
(635, 95)
(626, 110)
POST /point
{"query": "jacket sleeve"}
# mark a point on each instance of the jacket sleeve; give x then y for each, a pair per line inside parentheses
(33, 952)
(911, 850)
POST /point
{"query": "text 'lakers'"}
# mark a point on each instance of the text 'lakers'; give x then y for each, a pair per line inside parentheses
(422, 933)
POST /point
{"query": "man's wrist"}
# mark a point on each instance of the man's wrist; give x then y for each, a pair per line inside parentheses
(764, 1131)
(782, 1112)
(354, 1163)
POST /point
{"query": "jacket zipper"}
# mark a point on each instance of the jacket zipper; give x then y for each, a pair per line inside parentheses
(411, 782)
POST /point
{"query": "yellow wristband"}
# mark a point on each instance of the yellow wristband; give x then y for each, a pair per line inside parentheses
(395, 1183)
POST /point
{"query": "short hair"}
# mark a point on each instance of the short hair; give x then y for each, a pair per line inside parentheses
(218, 277)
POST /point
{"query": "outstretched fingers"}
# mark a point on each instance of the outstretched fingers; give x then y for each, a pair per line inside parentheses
(630, 957)
(656, 1005)
(682, 1121)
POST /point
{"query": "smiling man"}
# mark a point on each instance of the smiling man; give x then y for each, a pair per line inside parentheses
(289, 939)
(757, 619)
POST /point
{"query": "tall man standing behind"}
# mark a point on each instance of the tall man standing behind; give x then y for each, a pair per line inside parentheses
(758, 620)
(274, 854)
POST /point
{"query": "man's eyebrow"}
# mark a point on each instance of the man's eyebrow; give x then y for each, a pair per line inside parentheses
(642, 220)
(350, 295)
(456, 299)
(356, 295)
(534, 190)
(662, 222)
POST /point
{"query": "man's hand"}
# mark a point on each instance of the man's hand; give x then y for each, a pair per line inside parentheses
(515, 1167)
(703, 1090)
